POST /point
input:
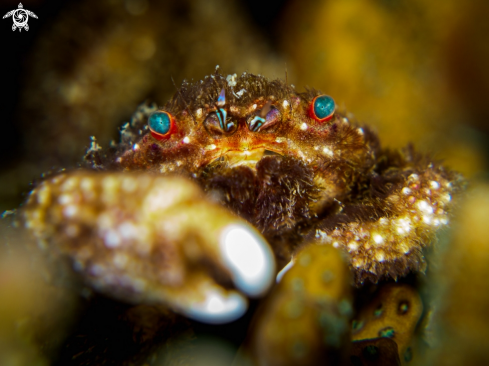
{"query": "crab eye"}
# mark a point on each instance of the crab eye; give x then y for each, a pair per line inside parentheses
(161, 125)
(267, 117)
(322, 108)
(217, 123)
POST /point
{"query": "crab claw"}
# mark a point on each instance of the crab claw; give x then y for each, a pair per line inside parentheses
(148, 239)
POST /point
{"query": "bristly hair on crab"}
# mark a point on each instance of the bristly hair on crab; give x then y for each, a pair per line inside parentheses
(247, 88)
(297, 168)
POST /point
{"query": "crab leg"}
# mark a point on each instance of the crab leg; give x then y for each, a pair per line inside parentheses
(385, 229)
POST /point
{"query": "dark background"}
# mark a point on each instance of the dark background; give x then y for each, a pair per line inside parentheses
(414, 70)
(17, 47)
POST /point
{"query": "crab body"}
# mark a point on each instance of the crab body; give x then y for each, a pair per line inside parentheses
(233, 158)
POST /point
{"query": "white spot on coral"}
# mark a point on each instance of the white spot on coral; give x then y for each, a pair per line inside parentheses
(406, 191)
(135, 147)
(357, 262)
(323, 236)
(285, 103)
(403, 225)
(70, 211)
(360, 131)
(87, 185)
(70, 184)
(413, 177)
(280, 139)
(304, 126)
(378, 239)
(198, 112)
(383, 221)
(352, 246)
(380, 256)
(446, 197)
(112, 239)
(424, 207)
(427, 219)
(186, 140)
(159, 199)
(301, 154)
(210, 147)
(128, 230)
(327, 151)
(64, 199)
(336, 244)
(434, 185)
(254, 106)
(129, 184)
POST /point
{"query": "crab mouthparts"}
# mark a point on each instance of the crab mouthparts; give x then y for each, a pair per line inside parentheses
(246, 157)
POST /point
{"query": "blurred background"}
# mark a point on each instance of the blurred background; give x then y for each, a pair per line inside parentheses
(416, 71)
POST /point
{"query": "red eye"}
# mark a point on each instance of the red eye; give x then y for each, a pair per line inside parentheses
(161, 125)
(322, 108)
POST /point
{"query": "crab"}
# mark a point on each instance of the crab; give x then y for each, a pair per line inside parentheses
(207, 198)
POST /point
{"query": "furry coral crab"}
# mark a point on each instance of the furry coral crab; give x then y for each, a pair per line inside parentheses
(203, 196)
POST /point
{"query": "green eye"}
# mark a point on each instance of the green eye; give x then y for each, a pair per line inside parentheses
(161, 125)
(322, 108)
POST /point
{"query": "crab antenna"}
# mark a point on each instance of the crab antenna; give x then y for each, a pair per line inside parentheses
(221, 99)
(288, 89)
(266, 108)
(184, 101)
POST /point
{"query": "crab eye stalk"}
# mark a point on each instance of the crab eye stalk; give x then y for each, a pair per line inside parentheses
(267, 117)
(322, 108)
(161, 125)
(217, 123)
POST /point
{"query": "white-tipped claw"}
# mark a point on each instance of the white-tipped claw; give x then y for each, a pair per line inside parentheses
(284, 270)
(217, 307)
(248, 257)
